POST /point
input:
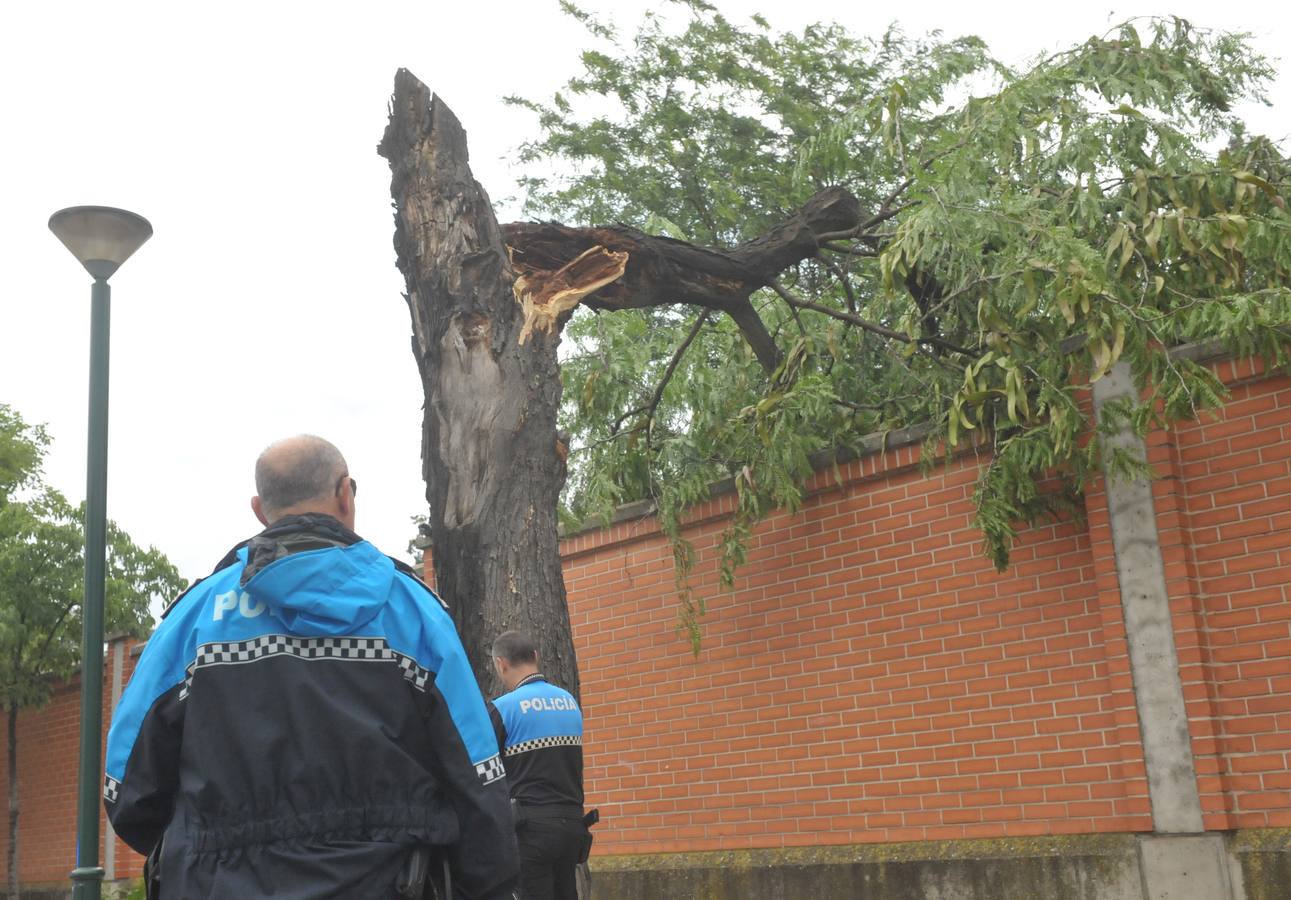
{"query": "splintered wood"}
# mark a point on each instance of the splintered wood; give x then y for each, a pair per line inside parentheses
(545, 296)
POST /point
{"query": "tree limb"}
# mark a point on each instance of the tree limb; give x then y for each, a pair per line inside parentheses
(649, 408)
(661, 271)
(872, 327)
(846, 282)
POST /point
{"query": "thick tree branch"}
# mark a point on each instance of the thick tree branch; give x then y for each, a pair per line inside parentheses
(659, 271)
(862, 230)
(755, 333)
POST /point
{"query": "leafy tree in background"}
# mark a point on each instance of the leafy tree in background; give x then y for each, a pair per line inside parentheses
(42, 572)
(1023, 230)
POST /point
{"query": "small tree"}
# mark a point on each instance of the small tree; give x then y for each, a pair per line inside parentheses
(41, 587)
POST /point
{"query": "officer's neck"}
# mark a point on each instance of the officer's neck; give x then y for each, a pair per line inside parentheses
(531, 677)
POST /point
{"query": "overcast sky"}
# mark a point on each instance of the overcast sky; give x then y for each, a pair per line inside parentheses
(268, 302)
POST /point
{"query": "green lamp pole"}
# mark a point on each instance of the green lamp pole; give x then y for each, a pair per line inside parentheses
(101, 238)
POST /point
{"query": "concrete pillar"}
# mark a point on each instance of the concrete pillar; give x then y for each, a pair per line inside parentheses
(1179, 861)
(1149, 631)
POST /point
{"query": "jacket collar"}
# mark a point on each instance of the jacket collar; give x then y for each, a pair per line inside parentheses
(294, 534)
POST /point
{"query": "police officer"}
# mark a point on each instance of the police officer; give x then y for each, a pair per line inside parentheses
(304, 724)
(540, 731)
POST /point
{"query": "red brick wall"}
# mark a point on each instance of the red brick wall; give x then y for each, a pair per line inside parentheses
(869, 678)
(1235, 513)
(48, 754)
(872, 678)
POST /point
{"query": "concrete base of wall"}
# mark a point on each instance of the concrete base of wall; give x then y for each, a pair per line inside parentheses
(1248, 866)
(1257, 866)
(112, 890)
(1183, 867)
(1262, 860)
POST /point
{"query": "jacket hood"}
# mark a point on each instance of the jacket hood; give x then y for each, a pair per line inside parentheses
(327, 590)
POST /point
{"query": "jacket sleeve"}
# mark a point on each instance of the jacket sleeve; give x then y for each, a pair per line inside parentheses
(485, 859)
(499, 726)
(142, 758)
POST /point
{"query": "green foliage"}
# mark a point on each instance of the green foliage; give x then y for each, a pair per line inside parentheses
(22, 448)
(1101, 205)
(42, 575)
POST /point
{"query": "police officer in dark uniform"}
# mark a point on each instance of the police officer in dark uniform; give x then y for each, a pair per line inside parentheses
(540, 731)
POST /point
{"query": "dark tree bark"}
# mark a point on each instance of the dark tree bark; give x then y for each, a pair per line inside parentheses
(14, 887)
(490, 456)
(487, 305)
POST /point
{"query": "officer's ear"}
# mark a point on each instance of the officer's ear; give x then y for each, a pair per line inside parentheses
(258, 508)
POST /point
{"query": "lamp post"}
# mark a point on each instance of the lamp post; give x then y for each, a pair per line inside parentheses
(101, 238)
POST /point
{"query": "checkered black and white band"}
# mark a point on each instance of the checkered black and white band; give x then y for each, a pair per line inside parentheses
(233, 652)
(490, 770)
(355, 649)
(563, 740)
(111, 789)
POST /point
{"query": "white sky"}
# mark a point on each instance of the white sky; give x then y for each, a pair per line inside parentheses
(268, 302)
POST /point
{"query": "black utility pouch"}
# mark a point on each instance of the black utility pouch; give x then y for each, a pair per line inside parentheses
(412, 877)
(589, 820)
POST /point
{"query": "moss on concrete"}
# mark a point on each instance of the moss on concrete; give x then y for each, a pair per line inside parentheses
(986, 848)
(1264, 855)
(1069, 867)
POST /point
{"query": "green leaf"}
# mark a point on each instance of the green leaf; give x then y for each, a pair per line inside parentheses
(1252, 178)
(1102, 356)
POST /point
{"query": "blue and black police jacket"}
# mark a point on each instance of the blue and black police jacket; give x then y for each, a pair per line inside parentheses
(294, 727)
(540, 730)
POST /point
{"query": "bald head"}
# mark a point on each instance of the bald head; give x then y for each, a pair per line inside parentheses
(302, 474)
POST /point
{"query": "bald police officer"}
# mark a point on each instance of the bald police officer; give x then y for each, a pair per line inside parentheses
(540, 731)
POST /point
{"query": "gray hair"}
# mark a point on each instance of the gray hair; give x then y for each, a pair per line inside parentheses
(515, 647)
(295, 470)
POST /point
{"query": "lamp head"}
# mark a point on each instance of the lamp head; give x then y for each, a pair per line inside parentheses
(101, 237)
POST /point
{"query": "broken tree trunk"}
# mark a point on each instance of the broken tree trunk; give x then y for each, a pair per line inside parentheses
(487, 305)
(490, 455)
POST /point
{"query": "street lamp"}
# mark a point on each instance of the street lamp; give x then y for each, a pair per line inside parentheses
(101, 238)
